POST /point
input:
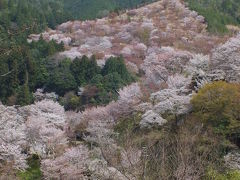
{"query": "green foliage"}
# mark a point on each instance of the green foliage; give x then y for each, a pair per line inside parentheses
(218, 104)
(113, 81)
(44, 49)
(82, 9)
(27, 68)
(85, 69)
(88, 9)
(25, 13)
(229, 175)
(31, 67)
(218, 13)
(143, 35)
(61, 79)
(100, 86)
(116, 65)
(128, 127)
(19, 18)
(175, 145)
(70, 101)
(24, 96)
(114, 76)
(33, 172)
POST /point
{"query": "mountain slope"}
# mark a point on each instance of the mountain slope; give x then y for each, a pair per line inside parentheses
(167, 125)
(18, 19)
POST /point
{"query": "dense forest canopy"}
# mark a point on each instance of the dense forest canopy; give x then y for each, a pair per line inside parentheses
(49, 13)
(46, 13)
(218, 13)
(82, 9)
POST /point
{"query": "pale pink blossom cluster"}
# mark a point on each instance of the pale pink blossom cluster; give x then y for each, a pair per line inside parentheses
(45, 127)
(161, 63)
(13, 139)
(226, 58)
(133, 32)
(100, 120)
(71, 165)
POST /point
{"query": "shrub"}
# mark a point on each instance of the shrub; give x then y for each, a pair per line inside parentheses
(218, 104)
(143, 35)
(70, 101)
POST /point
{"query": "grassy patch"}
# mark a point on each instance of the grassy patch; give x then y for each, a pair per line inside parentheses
(33, 172)
(228, 175)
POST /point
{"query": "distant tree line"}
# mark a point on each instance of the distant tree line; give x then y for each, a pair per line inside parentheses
(218, 13)
(82, 9)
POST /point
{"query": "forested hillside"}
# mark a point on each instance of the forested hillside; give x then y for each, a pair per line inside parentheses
(82, 9)
(146, 93)
(49, 13)
(218, 13)
(18, 13)
(25, 67)
(22, 65)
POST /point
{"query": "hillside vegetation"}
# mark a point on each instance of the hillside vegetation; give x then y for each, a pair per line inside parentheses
(82, 9)
(37, 14)
(218, 13)
(24, 65)
(144, 94)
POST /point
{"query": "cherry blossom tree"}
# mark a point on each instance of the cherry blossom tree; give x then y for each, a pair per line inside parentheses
(169, 101)
(69, 165)
(129, 97)
(160, 63)
(46, 127)
(13, 140)
(35, 129)
(98, 121)
(226, 58)
(178, 81)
